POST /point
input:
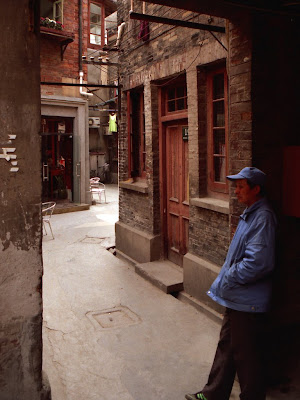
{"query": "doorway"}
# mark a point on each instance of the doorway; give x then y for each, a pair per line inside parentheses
(177, 191)
(57, 159)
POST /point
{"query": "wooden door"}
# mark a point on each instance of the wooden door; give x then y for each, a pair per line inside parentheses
(177, 185)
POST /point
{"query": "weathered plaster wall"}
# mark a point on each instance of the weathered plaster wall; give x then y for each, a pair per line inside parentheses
(20, 204)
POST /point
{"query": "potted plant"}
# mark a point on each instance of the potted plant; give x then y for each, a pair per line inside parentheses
(51, 23)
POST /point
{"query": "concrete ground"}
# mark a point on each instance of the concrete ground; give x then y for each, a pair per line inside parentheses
(108, 333)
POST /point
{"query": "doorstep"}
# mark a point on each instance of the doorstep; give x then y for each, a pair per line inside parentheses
(62, 208)
(163, 274)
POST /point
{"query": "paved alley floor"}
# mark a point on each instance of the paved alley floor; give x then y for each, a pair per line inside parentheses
(108, 333)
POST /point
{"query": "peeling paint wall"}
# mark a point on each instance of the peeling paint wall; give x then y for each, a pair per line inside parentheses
(20, 203)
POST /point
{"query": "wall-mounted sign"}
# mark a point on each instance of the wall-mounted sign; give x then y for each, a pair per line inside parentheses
(185, 133)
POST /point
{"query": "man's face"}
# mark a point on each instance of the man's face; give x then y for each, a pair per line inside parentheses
(245, 194)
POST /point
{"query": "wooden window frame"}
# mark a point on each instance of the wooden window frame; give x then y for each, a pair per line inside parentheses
(176, 98)
(93, 45)
(141, 154)
(216, 186)
(56, 5)
(180, 83)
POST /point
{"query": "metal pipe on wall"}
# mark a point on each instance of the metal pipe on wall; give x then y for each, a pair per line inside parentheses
(80, 34)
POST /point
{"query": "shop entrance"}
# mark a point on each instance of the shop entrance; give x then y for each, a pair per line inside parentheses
(57, 159)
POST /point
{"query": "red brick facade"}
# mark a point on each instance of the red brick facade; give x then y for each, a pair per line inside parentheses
(53, 69)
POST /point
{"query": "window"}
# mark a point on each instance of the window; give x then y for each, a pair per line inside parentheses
(58, 10)
(136, 134)
(53, 10)
(176, 99)
(217, 107)
(96, 23)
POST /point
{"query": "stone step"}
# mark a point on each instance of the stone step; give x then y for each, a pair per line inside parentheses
(62, 208)
(163, 274)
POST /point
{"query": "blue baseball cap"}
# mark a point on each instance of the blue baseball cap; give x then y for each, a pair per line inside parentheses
(254, 175)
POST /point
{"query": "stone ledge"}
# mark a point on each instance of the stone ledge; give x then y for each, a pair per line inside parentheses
(210, 203)
(140, 187)
(162, 274)
(205, 309)
(70, 207)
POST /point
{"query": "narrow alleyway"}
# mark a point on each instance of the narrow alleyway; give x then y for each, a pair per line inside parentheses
(108, 333)
(151, 346)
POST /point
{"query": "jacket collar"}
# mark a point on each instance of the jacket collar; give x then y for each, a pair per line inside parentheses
(252, 208)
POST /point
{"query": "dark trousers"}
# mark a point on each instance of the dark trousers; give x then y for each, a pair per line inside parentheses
(240, 350)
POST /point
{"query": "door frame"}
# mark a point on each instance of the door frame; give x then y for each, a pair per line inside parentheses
(78, 109)
(164, 121)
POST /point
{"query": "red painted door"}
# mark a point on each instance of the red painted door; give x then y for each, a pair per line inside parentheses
(177, 174)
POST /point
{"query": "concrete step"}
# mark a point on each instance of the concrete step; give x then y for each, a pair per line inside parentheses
(163, 274)
(62, 208)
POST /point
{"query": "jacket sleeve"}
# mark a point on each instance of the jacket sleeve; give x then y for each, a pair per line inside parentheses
(259, 255)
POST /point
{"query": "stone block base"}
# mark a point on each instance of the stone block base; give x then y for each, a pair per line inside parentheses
(137, 245)
(198, 275)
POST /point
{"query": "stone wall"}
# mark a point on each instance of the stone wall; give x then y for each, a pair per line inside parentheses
(20, 208)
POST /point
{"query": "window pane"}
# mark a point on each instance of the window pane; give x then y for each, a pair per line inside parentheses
(180, 91)
(180, 104)
(94, 39)
(171, 105)
(219, 142)
(95, 24)
(219, 113)
(219, 169)
(171, 94)
(95, 29)
(218, 86)
(95, 9)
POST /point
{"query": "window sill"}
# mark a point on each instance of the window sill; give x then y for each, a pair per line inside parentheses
(140, 187)
(220, 206)
(59, 34)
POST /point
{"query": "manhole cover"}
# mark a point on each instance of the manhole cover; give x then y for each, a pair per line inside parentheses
(94, 240)
(113, 318)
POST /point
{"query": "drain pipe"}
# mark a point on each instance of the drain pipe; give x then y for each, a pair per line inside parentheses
(80, 34)
(81, 91)
(81, 88)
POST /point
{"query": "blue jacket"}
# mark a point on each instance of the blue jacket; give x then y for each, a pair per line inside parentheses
(245, 280)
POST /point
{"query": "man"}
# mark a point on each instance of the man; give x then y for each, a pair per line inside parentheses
(244, 288)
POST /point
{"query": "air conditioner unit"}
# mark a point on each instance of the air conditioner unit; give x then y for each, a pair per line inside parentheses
(94, 122)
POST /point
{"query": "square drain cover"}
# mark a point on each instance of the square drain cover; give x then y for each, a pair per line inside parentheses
(113, 318)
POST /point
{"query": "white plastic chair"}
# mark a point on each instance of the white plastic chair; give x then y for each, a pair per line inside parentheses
(47, 211)
(97, 188)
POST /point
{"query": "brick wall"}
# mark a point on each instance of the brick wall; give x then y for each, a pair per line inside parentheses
(208, 232)
(134, 210)
(54, 69)
(240, 104)
(145, 64)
